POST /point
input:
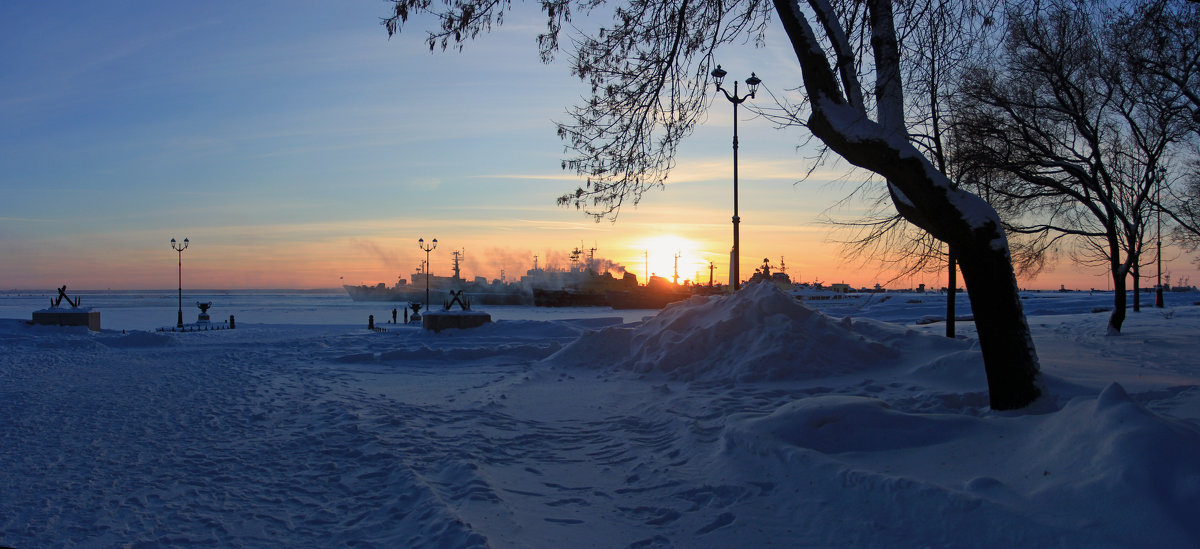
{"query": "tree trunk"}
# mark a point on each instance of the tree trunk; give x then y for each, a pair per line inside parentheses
(1137, 288)
(1119, 271)
(952, 287)
(964, 221)
(1117, 318)
(925, 197)
(1008, 353)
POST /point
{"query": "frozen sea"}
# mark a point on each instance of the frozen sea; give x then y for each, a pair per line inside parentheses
(752, 420)
(153, 309)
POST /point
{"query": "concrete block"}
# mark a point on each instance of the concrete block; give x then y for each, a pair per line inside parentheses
(462, 320)
(68, 317)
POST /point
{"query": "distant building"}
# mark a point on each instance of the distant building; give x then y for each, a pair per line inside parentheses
(840, 288)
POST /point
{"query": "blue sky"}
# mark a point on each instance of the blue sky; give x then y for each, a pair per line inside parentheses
(295, 145)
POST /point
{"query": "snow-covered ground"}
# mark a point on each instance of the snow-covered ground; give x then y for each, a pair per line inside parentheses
(740, 421)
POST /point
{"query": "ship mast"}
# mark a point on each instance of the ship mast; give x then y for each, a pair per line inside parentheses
(458, 255)
(675, 277)
(575, 259)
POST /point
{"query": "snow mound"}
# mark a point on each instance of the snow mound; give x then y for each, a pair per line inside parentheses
(1120, 447)
(527, 329)
(759, 333)
(1091, 460)
(139, 338)
(514, 351)
(964, 367)
(840, 423)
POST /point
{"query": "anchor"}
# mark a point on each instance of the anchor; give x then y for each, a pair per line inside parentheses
(458, 297)
(62, 294)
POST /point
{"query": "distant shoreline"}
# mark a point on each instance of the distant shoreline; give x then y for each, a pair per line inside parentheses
(175, 290)
(218, 291)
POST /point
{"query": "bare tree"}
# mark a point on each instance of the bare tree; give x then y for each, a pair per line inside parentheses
(1160, 42)
(648, 75)
(1078, 143)
(1185, 210)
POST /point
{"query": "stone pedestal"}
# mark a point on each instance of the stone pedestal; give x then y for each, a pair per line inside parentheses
(68, 317)
(441, 320)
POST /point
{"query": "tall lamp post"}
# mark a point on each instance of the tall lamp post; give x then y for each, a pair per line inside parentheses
(753, 82)
(175, 246)
(429, 248)
(1158, 290)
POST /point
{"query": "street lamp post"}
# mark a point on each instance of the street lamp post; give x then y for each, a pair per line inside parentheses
(179, 249)
(429, 248)
(1158, 291)
(753, 82)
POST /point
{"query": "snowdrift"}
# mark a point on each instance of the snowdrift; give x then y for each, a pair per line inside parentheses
(1105, 461)
(757, 334)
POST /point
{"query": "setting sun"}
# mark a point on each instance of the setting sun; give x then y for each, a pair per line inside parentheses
(658, 254)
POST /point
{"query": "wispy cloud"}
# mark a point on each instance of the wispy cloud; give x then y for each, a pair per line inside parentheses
(531, 177)
(31, 219)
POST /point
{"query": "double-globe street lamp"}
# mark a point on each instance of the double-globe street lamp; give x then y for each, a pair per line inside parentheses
(753, 82)
(175, 246)
(429, 248)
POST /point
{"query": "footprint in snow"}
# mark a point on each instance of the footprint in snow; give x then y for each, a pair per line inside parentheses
(722, 520)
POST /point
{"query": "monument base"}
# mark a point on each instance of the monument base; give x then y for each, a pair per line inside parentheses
(68, 317)
(441, 320)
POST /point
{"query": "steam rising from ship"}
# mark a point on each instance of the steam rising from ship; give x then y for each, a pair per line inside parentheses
(516, 264)
(550, 269)
(584, 277)
(492, 261)
(602, 265)
(389, 259)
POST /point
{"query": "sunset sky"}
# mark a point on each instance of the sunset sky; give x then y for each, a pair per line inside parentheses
(296, 146)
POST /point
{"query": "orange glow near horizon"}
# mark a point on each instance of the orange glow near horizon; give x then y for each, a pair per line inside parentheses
(659, 256)
(328, 256)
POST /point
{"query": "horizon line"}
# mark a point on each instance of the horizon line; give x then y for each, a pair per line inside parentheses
(333, 289)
